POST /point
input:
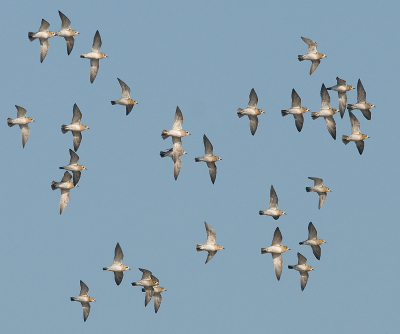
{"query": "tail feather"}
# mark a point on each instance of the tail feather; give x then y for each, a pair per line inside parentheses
(72, 299)
(261, 212)
(344, 140)
(197, 159)
(105, 268)
(284, 112)
(9, 122)
(350, 106)
(53, 185)
(61, 167)
(314, 115)
(134, 284)
(63, 129)
(163, 154)
(239, 112)
(290, 267)
(308, 189)
(30, 36)
(113, 102)
(300, 243)
(263, 251)
(199, 247)
(300, 57)
(164, 134)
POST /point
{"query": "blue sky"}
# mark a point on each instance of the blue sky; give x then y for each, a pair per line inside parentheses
(203, 57)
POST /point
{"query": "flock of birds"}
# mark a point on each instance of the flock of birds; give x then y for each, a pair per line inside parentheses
(149, 283)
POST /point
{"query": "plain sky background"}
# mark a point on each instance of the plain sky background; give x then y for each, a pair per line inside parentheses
(203, 56)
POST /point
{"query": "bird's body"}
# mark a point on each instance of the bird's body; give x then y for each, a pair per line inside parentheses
(74, 167)
(362, 103)
(177, 163)
(65, 185)
(303, 268)
(342, 88)
(356, 134)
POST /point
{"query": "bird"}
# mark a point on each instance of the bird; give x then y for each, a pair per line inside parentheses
(157, 296)
(176, 133)
(148, 281)
(125, 99)
(211, 247)
(252, 111)
(303, 268)
(177, 163)
(326, 112)
(312, 54)
(276, 249)
(296, 110)
(319, 188)
(74, 167)
(65, 185)
(341, 88)
(117, 267)
(94, 55)
(362, 103)
(43, 34)
(22, 121)
(209, 158)
(76, 127)
(313, 241)
(84, 299)
(67, 32)
(273, 210)
(356, 134)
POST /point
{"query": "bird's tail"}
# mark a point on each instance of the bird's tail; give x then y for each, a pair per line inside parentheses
(134, 284)
(239, 112)
(9, 122)
(164, 134)
(30, 36)
(344, 140)
(163, 154)
(284, 112)
(308, 189)
(113, 102)
(350, 106)
(261, 212)
(72, 299)
(263, 250)
(314, 115)
(82, 56)
(197, 159)
(290, 267)
(105, 268)
(300, 57)
(53, 185)
(61, 167)
(300, 243)
(199, 247)
(63, 129)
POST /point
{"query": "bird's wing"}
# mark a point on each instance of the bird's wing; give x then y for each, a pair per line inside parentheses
(70, 43)
(67, 177)
(76, 139)
(157, 301)
(277, 239)
(301, 259)
(325, 98)
(25, 133)
(322, 197)
(331, 125)
(125, 89)
(355, 124)
(118, 254)
(298, 120)
(76, 115)
(146, 273)
(212, 169)
(207, 146)
(317, 251)
(44, 47)
(94, 68)
(361, 95)
(84, 289)
(210, 255)
(177, 167)
(178, 119)
(278, 263)
(21, 112)
(342, 103)
(64, 199)
(44, 25)
(296, 101)
(360, 146)
(118, 276)
(149, 291)
(65, 22)
(96, 42)
(86, 310)
(74, 157)
(312, 46)
(273, 198)
(253, 123)
(253, 99)
(76, 177)
(312, 232)
(210, 234)
(317, 181)
(303, 279)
